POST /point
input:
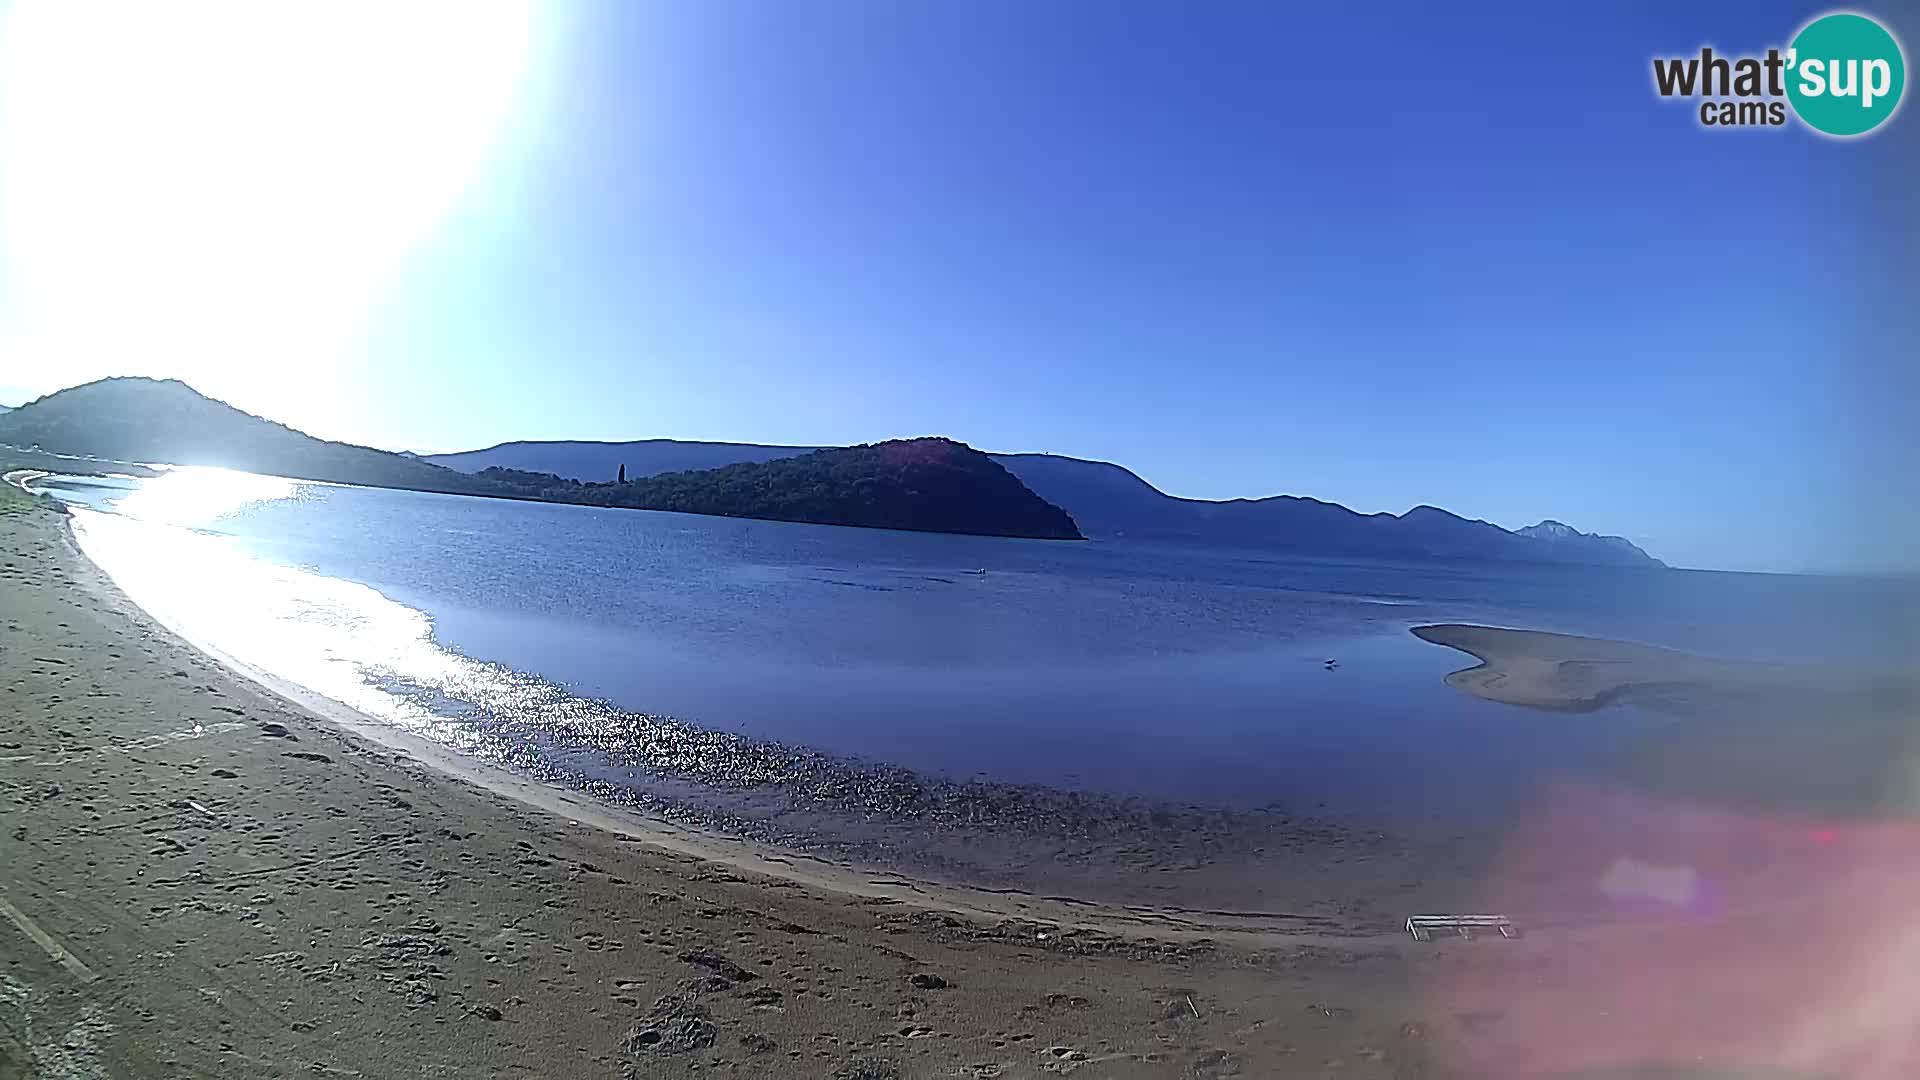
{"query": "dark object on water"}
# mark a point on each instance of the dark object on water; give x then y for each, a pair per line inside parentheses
(1332, 663)
(622, 478)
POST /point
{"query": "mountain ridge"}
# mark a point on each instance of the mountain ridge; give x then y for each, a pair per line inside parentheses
(1130, 506)
(1109, 500)
(138, 419)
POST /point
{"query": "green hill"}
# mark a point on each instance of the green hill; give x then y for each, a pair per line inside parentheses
(925, 485)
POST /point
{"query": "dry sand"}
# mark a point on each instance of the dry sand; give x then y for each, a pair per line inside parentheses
(204, 879)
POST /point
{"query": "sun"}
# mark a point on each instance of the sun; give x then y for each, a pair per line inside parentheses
(216, 190)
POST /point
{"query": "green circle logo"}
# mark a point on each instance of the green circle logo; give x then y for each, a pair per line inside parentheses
(1845, 74)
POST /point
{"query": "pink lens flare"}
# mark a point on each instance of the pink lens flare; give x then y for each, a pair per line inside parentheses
(1669, 934)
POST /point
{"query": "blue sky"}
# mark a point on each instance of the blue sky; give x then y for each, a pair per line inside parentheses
(1387, 257)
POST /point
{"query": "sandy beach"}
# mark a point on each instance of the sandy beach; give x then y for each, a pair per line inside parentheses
(207, 876)
(204, 879)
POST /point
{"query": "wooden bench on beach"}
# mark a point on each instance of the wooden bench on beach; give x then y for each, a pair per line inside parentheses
(1423, 926)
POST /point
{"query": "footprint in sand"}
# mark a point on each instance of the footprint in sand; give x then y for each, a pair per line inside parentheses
(719, 965)
(762, 997)
(757, 1044)
(1213, 1065)
(867, 1068)
(1062, 1059)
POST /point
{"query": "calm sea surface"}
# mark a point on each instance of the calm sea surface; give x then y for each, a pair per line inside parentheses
(1143, 673)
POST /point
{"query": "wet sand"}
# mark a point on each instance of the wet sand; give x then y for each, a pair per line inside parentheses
(204, 878)
(1562, 671)
(1807, 740)
(1567, 672)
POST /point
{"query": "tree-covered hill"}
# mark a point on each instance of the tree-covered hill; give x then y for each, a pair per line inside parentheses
(927, 485)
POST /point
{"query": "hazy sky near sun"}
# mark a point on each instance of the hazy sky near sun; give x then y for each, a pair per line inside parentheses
(1387, 256)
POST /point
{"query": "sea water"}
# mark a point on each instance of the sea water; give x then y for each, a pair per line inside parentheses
(857, 690)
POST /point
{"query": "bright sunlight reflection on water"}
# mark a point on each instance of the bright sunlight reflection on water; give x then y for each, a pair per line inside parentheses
(338, 638)
(195, 496)
(331, 636)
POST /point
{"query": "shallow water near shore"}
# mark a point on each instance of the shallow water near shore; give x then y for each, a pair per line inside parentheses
(1127, 720)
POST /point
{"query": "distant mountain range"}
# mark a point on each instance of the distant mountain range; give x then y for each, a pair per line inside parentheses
(933, 484)
(1109, 501)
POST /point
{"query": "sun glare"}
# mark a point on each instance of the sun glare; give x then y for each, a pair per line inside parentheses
(198, 496)
(215, 190)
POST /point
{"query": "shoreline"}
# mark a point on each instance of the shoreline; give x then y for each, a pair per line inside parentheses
(1196, 845)
(178, 827)
(785, 864)
(206, 878)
